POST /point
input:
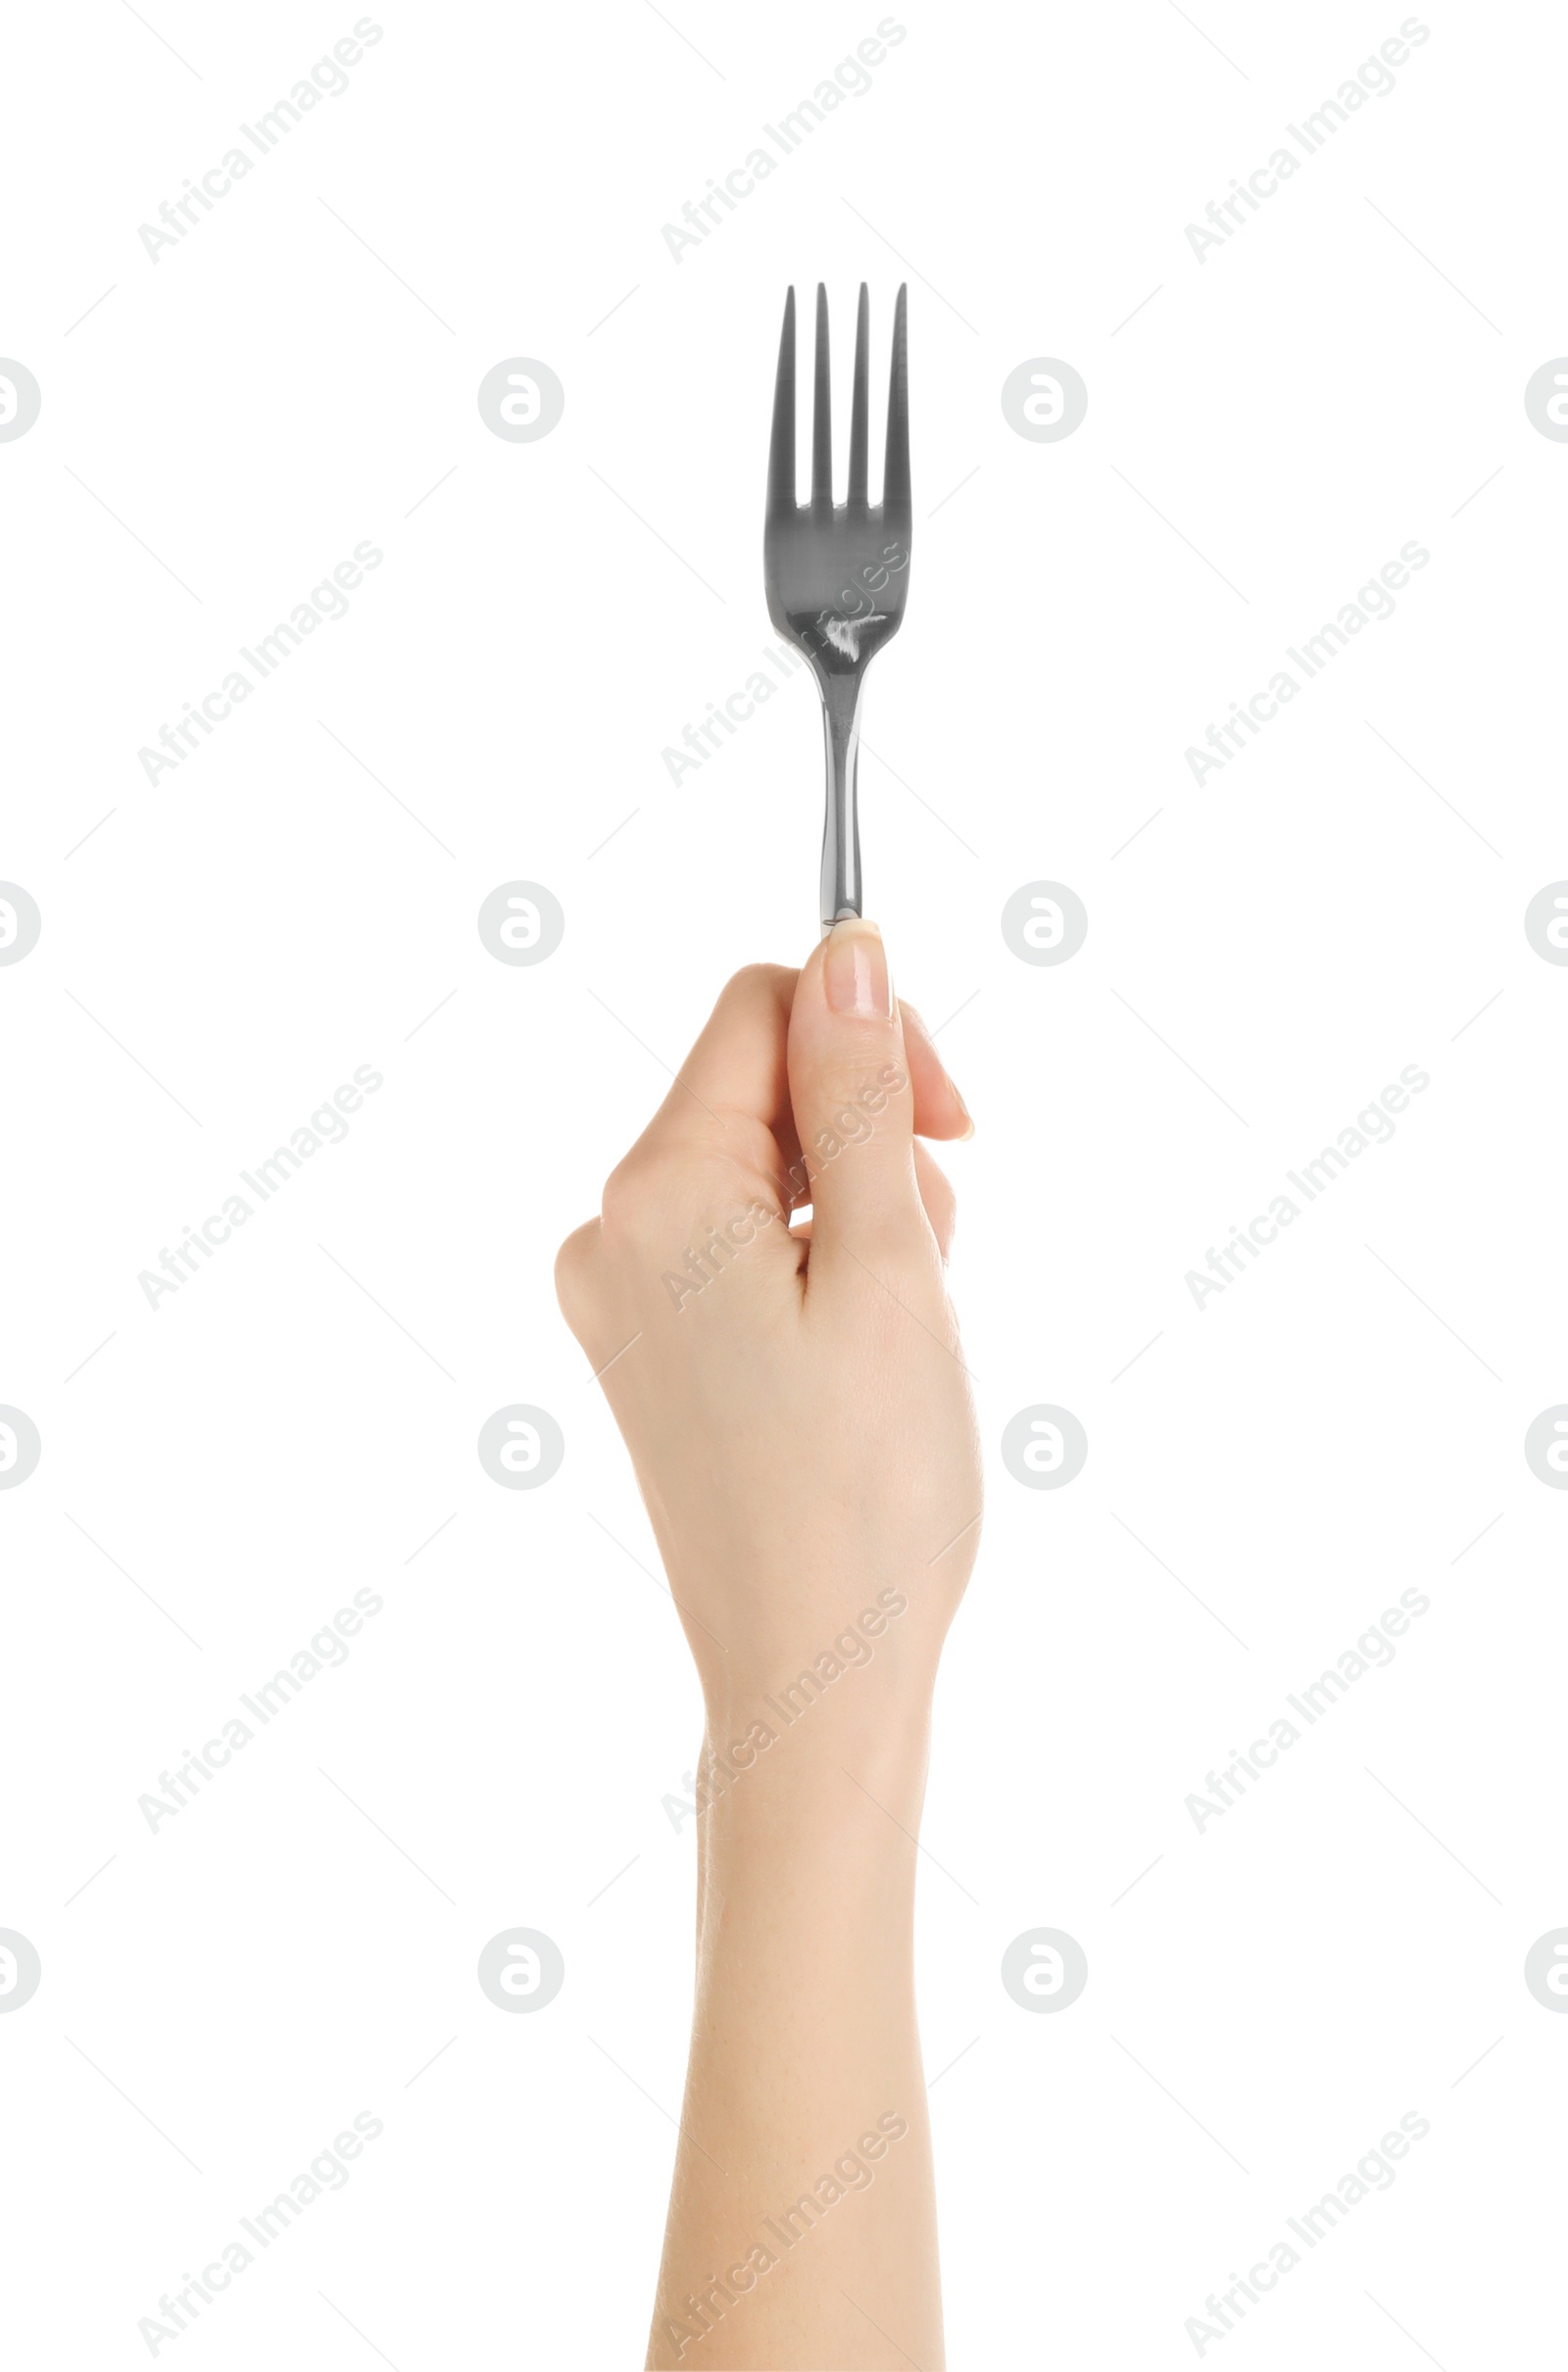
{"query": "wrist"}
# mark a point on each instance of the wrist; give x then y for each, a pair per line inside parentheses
(871, 1670)
(793, 1772)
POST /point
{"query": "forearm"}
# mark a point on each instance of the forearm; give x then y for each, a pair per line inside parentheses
(797, 1410)
(802, 2228)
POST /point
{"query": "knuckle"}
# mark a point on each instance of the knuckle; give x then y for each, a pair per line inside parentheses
(628, 1195)
(578, 1266)
(757, 983)
(645, 1196)
(753, 976)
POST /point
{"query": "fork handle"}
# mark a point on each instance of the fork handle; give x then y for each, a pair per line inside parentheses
(840, 832)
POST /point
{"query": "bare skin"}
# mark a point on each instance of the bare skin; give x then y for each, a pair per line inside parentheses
(799, 1416)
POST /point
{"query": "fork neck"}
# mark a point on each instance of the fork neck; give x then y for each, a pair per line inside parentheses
(840, 832)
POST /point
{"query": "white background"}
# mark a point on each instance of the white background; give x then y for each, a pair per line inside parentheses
(1342, 900)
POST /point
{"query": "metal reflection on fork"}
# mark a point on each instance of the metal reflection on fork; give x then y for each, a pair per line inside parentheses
(837, 575)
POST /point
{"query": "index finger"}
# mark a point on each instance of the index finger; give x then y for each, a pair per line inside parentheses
(736, 1073)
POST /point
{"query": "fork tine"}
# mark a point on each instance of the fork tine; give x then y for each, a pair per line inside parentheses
(896, 468)
(822, 415)
(781, 449)
(858, 430)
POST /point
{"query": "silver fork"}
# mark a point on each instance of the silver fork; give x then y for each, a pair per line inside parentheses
(837, 573)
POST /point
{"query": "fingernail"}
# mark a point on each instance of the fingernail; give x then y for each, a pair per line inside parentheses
(969, 1131)
(854, 971)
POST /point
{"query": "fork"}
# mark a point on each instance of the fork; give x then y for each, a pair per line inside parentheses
(836, 574)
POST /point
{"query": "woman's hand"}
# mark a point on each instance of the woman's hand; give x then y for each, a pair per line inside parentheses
(794, 1400)
(798, 1411)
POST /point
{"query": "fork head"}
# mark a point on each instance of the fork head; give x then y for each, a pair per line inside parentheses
(837, 575)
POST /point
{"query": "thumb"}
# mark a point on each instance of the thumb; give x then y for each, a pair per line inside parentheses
(853, 1101)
